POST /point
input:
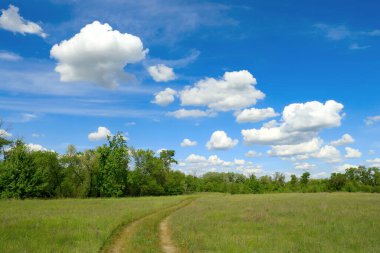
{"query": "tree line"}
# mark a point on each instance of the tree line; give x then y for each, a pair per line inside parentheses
(116, 170)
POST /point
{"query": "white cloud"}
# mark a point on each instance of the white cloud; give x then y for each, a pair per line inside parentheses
(220, 141)
(301, 122)
(342, 168)
(188, 143)
(165, 97)
(271, 124)
(97, 54)
(356, 46)
(319, 175)
(371, 152)
(161, 73)
(312, 115)
(329, 154)
(252, 153)
(304, 166)
(352, 153)
(374, 162)
(255, 115)
(296, 149)
(239, 162)
(195, 159)
(183, 113)
(36, 147)
(11, 20)
(234, 91)
(4, 133)
(101, 134)
(9, 56)
(372, 120)
(346, 139)
(334, 32)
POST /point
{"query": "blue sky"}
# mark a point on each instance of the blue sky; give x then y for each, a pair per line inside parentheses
(285, 80)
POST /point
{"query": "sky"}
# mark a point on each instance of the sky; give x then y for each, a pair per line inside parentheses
(252, 87)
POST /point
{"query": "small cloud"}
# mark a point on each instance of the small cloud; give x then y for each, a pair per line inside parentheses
(101, 134)
(184, 113)
(339, 32)
(352, 153)
(220, 141)
(346, 139)
(188, 143)
(356, 46)
(371, 120)
(36, 135)
(131, 123)
(9, 56)
(4, 133)
(161, 73)
(252, 153)
(165, 97)
(11, 20)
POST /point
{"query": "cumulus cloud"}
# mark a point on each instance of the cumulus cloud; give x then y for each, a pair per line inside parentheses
(165, 97)
(36, 147)
(101, 134)
(255, 115)
(342, 168)
(11, 20)
(328, 153)
(297, 149)
(199, 164)
(234, 91)
(371, 120)
(346, 139)
(304, 166)
(161, 73)
(184, 113)
(374, 162)
(352, 153)
(97, 54)
(252, 153)
(193, 158)
(220, 141)
(300, 122)
(188, 143)
(9, 56)
(4, 133)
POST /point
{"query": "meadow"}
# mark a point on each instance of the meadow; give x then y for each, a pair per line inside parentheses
(209, 222)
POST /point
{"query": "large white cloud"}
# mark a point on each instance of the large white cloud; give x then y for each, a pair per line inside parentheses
(164, 97)
(97, 54)
(161, 73)
(312, 115)
(101, 134)
(300, 123)
(184, 113)
(220, 140)
(352, 153)
(234, 91)
(346, 139)
(255, 115)
(297, 149)
(11, 20)
(188, 143)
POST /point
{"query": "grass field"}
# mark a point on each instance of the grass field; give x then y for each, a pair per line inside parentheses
(321, 222)
(69, 225)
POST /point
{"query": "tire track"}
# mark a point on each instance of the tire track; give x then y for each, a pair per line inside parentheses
(122, 239)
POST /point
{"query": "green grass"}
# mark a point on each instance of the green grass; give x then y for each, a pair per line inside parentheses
(321, 222)
(69, 225)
